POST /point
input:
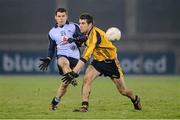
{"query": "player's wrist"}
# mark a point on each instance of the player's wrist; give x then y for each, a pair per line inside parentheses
(83, 60)
(74, 74)
(48, 58)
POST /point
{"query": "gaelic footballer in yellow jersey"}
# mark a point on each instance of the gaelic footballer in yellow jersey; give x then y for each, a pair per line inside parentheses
(99, 46)
(104, 63)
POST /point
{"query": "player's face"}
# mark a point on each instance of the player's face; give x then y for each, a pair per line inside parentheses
(84, 26)
(61, 18)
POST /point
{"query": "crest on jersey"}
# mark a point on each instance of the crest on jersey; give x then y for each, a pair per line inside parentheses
(73, 47)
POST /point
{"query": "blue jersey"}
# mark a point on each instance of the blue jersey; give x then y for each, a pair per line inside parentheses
(56, 35)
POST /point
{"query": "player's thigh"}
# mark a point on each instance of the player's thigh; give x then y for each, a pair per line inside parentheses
(63, 61)
(90, 74)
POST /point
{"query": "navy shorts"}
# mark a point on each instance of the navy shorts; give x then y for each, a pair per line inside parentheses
(108, 68)
(73, 62)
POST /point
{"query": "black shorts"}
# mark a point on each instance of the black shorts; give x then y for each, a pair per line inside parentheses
(107, 68)
(73, 62)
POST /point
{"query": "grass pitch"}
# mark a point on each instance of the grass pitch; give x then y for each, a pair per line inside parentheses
(29, 97)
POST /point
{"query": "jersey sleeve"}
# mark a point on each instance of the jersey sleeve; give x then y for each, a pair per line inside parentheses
(92, 41)
(52, 46)
(77, 32)
(78, 36)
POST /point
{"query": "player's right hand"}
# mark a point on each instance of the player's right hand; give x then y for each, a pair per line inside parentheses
(70, 78)
(74, 82)
(44, 63)
(80, 40)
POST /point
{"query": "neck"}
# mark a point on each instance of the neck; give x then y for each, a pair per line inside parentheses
(89, 30)
(59, 25)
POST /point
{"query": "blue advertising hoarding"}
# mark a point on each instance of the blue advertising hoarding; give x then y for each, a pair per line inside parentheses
(148, 63)
(131, 63)
(24, 63)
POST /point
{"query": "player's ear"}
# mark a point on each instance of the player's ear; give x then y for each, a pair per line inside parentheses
(90, 24)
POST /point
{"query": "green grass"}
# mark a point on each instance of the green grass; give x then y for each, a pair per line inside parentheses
(29, 97)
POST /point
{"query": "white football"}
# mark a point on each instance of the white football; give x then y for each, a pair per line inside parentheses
(113, 33)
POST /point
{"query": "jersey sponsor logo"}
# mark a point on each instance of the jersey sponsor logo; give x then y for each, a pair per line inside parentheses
(73, 47)
(63, 33)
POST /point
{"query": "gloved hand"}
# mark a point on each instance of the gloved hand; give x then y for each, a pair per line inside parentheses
(74, 82)
(69, 78)
(78, 40)
(44, 63)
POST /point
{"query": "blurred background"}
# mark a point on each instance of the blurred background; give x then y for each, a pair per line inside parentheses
(150, 32)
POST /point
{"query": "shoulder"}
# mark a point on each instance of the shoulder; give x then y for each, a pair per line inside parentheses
(72, 27)
(73, 24)
(52, 30)
(99, 30)
(51, 33)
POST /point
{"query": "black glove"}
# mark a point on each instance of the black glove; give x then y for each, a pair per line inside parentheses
(78, 40)
(74, 82)
(44, 64)
(69, 78)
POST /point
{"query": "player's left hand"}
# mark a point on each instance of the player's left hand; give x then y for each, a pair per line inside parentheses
(69, 78)
(44, 63)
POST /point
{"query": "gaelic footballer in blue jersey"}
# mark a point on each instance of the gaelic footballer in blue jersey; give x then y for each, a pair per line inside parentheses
(67, 54)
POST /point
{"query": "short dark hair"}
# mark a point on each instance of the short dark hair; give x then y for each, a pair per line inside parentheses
(60, 10)
(88, 17)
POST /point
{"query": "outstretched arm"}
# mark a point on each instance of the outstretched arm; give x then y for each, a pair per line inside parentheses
(117, 61)
(79, 66)
(52, 46)
(46, 61)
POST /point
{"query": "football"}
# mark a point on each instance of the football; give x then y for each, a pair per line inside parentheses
(113, 33)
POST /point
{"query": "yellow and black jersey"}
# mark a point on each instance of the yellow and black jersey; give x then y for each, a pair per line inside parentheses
(98, 46)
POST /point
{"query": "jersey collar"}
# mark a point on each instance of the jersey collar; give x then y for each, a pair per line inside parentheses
(90, 31)
(67, 22)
